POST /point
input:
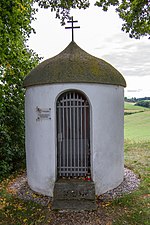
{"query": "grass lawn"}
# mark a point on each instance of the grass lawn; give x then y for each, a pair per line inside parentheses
(137, 126)
(136, 206)
(131, 209)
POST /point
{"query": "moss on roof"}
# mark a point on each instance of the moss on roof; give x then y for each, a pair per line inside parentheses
(74, 65)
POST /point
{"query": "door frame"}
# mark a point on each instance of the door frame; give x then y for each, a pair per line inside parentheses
(89, 118)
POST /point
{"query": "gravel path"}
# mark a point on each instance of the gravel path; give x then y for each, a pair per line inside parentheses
(22, 190)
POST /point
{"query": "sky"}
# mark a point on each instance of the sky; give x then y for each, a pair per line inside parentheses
(100, 35)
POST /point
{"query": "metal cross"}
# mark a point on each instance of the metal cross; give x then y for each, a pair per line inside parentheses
(72, 27)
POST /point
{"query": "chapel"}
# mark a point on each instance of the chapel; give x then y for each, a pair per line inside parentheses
(74, 122)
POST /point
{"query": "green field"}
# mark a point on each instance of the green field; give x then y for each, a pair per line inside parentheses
(137, 123)
(130, 108)
(137, 126)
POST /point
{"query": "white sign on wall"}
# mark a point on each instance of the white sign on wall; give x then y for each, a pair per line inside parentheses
(43, 113)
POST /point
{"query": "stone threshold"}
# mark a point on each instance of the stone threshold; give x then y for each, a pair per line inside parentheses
(74, 194)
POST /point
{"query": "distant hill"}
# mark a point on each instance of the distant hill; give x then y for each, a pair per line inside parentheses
(130, 108)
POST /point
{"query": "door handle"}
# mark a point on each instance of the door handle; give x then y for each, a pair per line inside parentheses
(59, 137)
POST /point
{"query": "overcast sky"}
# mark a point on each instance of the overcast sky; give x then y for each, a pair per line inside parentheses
(100, 35)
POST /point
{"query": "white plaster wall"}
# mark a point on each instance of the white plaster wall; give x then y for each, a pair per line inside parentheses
(107, 125)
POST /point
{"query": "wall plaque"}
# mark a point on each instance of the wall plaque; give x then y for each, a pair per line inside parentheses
(43, 113)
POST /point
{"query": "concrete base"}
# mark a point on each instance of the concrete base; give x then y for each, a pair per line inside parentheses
(74, 195)
(74, 205)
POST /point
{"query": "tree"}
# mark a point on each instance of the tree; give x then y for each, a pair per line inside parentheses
(134, 13)
(16, 60)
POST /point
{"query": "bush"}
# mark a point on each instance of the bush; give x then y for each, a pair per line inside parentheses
(12, 151)
(144, 103)
(16, 60)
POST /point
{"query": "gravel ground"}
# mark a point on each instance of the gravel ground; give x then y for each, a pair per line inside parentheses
(22, 190)
(102, 216)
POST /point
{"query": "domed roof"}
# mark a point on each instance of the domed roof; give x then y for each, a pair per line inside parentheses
(74, 65)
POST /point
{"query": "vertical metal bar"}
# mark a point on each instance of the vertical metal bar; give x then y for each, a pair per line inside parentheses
(63, 135)
(67, 138)
(85, 138)
(78, 132)
(70, 135)
(74, 133)
(88, 137)
(60, 143)
(81, 145)
(89, 140)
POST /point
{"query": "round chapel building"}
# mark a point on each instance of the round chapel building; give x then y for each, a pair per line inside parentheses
(74, 121)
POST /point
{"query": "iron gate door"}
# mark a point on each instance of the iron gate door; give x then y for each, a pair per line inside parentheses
(73, 135)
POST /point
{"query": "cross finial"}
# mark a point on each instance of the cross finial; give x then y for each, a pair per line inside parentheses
(72, 27)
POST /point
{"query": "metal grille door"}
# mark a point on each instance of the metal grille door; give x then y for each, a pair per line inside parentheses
(73, 135)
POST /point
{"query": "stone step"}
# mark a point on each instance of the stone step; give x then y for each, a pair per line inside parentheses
(74, 194)
(75, 205)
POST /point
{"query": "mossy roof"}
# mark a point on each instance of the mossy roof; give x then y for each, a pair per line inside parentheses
(74, 65)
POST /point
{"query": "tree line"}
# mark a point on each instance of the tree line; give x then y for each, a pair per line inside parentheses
(16, 60)
(134, 99)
